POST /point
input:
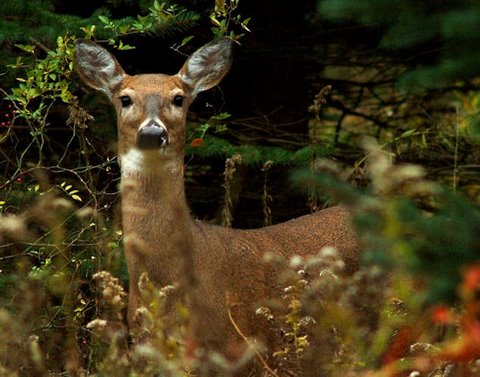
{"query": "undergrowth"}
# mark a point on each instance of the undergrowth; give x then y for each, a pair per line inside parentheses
(410, 309)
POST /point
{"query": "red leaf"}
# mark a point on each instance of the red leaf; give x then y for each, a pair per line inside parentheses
(197, 142)
(441, 314)
(399, 348)
(471, 277)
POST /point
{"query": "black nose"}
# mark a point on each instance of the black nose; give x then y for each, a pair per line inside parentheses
(152, 136)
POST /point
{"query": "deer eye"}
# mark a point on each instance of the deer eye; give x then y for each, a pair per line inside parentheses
(178, 101)
(126, 101)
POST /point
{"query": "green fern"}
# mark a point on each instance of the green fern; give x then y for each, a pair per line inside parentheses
(177, 24)
(254, 154)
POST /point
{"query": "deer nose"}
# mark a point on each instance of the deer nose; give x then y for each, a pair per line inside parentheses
(152, 136)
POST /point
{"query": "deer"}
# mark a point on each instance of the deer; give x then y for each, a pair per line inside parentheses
(226, 275)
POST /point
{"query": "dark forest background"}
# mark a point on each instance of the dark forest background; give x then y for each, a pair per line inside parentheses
(388, 76)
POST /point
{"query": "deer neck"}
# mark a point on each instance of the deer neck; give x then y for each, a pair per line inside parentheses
(154, 207)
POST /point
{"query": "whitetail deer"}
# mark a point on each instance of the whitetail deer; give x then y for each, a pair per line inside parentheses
(161, 237)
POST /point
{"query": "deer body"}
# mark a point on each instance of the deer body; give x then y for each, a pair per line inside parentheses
(225, 266)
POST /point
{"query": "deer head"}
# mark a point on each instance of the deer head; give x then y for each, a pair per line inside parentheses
(151, 108)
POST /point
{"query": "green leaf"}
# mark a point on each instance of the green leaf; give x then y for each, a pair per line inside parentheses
(186, 40)
(76, 197)
(123, 47)
(104, 19)
(27, 48)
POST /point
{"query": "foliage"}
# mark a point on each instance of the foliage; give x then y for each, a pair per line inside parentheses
(162, 20)
(26, 21)
(412, 26)
(362, 323)
(48, 80)
(411, 224)
(49, 76)
(423, 240)
(224, 15)
(256, 155)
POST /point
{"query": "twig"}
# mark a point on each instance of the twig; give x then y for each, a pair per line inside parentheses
(455, 155)
(40, 45)
(266, 198)
(229, 172)
(250, 344)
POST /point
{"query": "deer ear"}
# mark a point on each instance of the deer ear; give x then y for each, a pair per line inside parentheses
(207, 66)
(97, 67)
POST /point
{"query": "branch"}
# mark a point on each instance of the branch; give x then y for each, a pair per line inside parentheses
(250, 344)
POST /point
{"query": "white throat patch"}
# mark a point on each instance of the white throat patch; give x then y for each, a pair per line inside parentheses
(137, 162)
(132, 162)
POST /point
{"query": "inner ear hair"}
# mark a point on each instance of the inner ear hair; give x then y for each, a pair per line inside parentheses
(208, 65)
(98, 67)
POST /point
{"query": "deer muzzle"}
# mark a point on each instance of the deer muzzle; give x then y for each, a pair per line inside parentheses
(152, 136)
